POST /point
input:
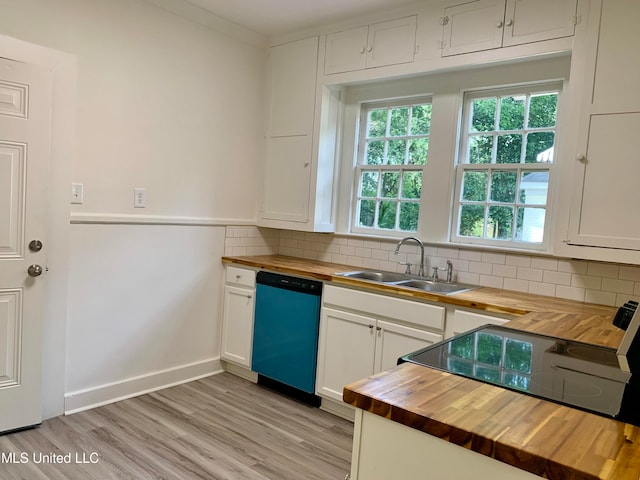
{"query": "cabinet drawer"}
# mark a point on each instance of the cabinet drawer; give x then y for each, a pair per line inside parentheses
(241, 276)
(405, 311)
(464, 321)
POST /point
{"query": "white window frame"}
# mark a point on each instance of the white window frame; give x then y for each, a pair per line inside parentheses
(359, 167)
(461, 166)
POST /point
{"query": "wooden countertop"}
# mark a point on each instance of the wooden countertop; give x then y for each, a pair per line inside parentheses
(547, 439)
(544, 438)
(484, 298)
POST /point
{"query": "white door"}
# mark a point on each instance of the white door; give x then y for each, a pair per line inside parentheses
(24, 153)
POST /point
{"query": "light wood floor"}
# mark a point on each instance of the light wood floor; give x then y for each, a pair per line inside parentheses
(221, 427)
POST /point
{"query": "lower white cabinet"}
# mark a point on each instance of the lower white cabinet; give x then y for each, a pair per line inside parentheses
(460, 321)
(237, 317)
(363, 333)
(384, 449)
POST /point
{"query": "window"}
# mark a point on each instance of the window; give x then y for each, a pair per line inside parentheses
(392, 153)
(504, 167)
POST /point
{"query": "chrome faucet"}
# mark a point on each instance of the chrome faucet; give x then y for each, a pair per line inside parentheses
(449, 270)
(420, 244)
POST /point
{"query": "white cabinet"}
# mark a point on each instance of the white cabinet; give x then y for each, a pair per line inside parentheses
(377, 45)
(237, 317)
(384, 449)
(487, 24)
(606, 170)
(300, 142)
(460, 321)
(362, 333)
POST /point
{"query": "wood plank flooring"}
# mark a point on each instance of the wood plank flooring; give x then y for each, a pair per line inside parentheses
(220, 427)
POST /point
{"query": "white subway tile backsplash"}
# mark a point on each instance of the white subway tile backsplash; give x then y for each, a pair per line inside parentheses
(558, 278)
(619, 286)
(498, 258)
(592, 283)
(516, 285)
(573, 266)
(629, 273)
(507, 271)
(479, 267)
(470, 255)
(544, 263)
(518, 261)
(449, 253)
(491, 281)
(539, 288)
(532, 274)
(598, 296)
(596, 282)
(603, 270)
(571, 293)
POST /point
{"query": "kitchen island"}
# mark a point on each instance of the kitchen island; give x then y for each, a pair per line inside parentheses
(536, 436)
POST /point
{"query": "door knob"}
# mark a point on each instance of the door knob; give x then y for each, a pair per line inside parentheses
(35, 245)
(34, 270)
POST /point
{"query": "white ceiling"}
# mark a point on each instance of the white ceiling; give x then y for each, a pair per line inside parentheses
(275, 17)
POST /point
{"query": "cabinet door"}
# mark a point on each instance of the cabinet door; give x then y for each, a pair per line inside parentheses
(472, 27)
(237, 325)
(394, 341)
(617, 68)
(292, 77)
(606, 187)
(345, 351)
(391, 42)
(345, 51)
(287, 180)
(529, 21)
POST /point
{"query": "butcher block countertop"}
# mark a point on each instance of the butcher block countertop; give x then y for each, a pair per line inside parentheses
(544, 438)
(489, 299)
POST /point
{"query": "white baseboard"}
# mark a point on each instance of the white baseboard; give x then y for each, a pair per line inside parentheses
(339, 409)
(240, 371)
(132, 387)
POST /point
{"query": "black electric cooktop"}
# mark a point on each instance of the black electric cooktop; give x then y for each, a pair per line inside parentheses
(576, 374)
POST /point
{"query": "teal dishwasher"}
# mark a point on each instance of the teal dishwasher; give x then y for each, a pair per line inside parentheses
(285, 333)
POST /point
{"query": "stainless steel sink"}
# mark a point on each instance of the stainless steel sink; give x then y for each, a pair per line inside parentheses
(375, 276)
(437, 287)
(408, 281)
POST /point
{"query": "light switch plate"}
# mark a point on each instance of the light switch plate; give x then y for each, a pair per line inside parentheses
(77, 193)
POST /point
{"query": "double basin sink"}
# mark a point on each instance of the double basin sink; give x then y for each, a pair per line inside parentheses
(408, 281)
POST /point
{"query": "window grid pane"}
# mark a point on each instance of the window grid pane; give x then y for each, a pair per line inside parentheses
(390, 167)
(503, 186)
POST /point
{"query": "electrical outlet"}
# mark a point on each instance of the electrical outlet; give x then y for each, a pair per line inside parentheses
(77, 193)
(139, 198)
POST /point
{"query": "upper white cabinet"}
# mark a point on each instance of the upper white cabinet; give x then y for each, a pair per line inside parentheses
(606, 166)
(376, 45)
(486, 24)
(298, 162)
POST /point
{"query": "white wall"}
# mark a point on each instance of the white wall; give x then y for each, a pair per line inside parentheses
(172, 106)
(144, 308)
